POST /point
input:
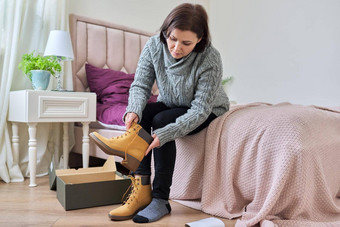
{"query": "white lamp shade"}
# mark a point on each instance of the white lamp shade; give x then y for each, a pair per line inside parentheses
(59, 44)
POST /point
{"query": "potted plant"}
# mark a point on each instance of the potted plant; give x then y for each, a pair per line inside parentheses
(39, 69)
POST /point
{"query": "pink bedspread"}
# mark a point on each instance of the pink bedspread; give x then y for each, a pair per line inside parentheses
(270, 164)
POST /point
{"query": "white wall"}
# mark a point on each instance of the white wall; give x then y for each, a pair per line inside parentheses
(278, 50)
(146, 15)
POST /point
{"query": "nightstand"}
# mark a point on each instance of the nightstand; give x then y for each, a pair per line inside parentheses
(33, 107)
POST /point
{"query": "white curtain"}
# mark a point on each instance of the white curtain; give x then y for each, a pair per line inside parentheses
(24, 27)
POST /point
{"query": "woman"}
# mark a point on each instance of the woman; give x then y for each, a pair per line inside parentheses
(188, 72)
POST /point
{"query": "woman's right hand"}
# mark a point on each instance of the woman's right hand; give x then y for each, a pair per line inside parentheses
(129, 118)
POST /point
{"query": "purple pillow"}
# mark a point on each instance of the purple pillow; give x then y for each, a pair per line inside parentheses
(106, 83)
(112, 89)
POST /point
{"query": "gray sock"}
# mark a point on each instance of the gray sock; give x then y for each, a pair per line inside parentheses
(153, 212)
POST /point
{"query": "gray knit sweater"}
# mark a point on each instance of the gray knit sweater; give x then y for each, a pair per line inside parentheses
(194, 82)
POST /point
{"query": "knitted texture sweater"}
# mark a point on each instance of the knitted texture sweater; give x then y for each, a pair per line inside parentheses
(195, 81)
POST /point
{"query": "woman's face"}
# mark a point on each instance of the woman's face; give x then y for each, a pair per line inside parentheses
(181, 43)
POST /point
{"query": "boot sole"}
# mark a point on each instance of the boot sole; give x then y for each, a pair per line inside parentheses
(132, 162)
(122, 218)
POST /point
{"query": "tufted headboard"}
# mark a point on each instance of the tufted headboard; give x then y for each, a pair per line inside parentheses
(104, 45)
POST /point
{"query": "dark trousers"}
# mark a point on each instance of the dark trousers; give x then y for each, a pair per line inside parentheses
(157, 115)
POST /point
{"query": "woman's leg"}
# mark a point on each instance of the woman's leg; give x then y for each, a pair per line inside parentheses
(164, 159)
(149, 112)
(141, 194)
(165, 156)
(157, 115)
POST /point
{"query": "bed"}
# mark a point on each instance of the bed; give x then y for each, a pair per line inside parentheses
(109, 51)
(266, 164)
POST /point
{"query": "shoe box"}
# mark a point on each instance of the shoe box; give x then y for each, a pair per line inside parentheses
(89, 187)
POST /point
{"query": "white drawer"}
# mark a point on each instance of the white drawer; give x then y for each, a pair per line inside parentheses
(52, 106)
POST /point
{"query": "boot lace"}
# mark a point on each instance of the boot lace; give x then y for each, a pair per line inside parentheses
(134, 184)
(133, 128)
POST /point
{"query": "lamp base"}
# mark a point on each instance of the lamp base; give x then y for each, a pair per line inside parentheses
(61, 89)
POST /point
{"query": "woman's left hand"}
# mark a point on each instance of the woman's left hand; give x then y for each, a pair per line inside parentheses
(155, 143)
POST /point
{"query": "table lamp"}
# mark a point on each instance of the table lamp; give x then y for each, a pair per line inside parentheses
(59, 45)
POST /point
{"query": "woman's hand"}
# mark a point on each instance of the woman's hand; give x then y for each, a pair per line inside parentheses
(129, 118)
(155, 143)
(132, 117)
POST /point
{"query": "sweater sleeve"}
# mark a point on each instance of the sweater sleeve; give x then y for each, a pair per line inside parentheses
(140, 89)
(201, 106)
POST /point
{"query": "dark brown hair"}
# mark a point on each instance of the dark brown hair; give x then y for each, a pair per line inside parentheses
(187, 17)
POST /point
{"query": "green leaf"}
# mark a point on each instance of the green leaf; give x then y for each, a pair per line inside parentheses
(227, 80)
(38, 62)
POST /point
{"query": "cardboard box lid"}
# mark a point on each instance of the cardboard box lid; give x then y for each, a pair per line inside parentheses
(93, 174)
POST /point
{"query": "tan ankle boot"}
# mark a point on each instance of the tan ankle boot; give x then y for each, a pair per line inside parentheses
(131, 146)
(138, 199)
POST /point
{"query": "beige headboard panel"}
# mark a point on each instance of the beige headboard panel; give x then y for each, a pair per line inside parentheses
(104, 45)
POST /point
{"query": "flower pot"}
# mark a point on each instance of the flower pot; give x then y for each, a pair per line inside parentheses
(40, 79)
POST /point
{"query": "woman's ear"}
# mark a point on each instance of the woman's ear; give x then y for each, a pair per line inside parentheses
(199, 40)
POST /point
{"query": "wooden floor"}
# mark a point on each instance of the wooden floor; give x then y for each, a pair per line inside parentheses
(21, 205)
